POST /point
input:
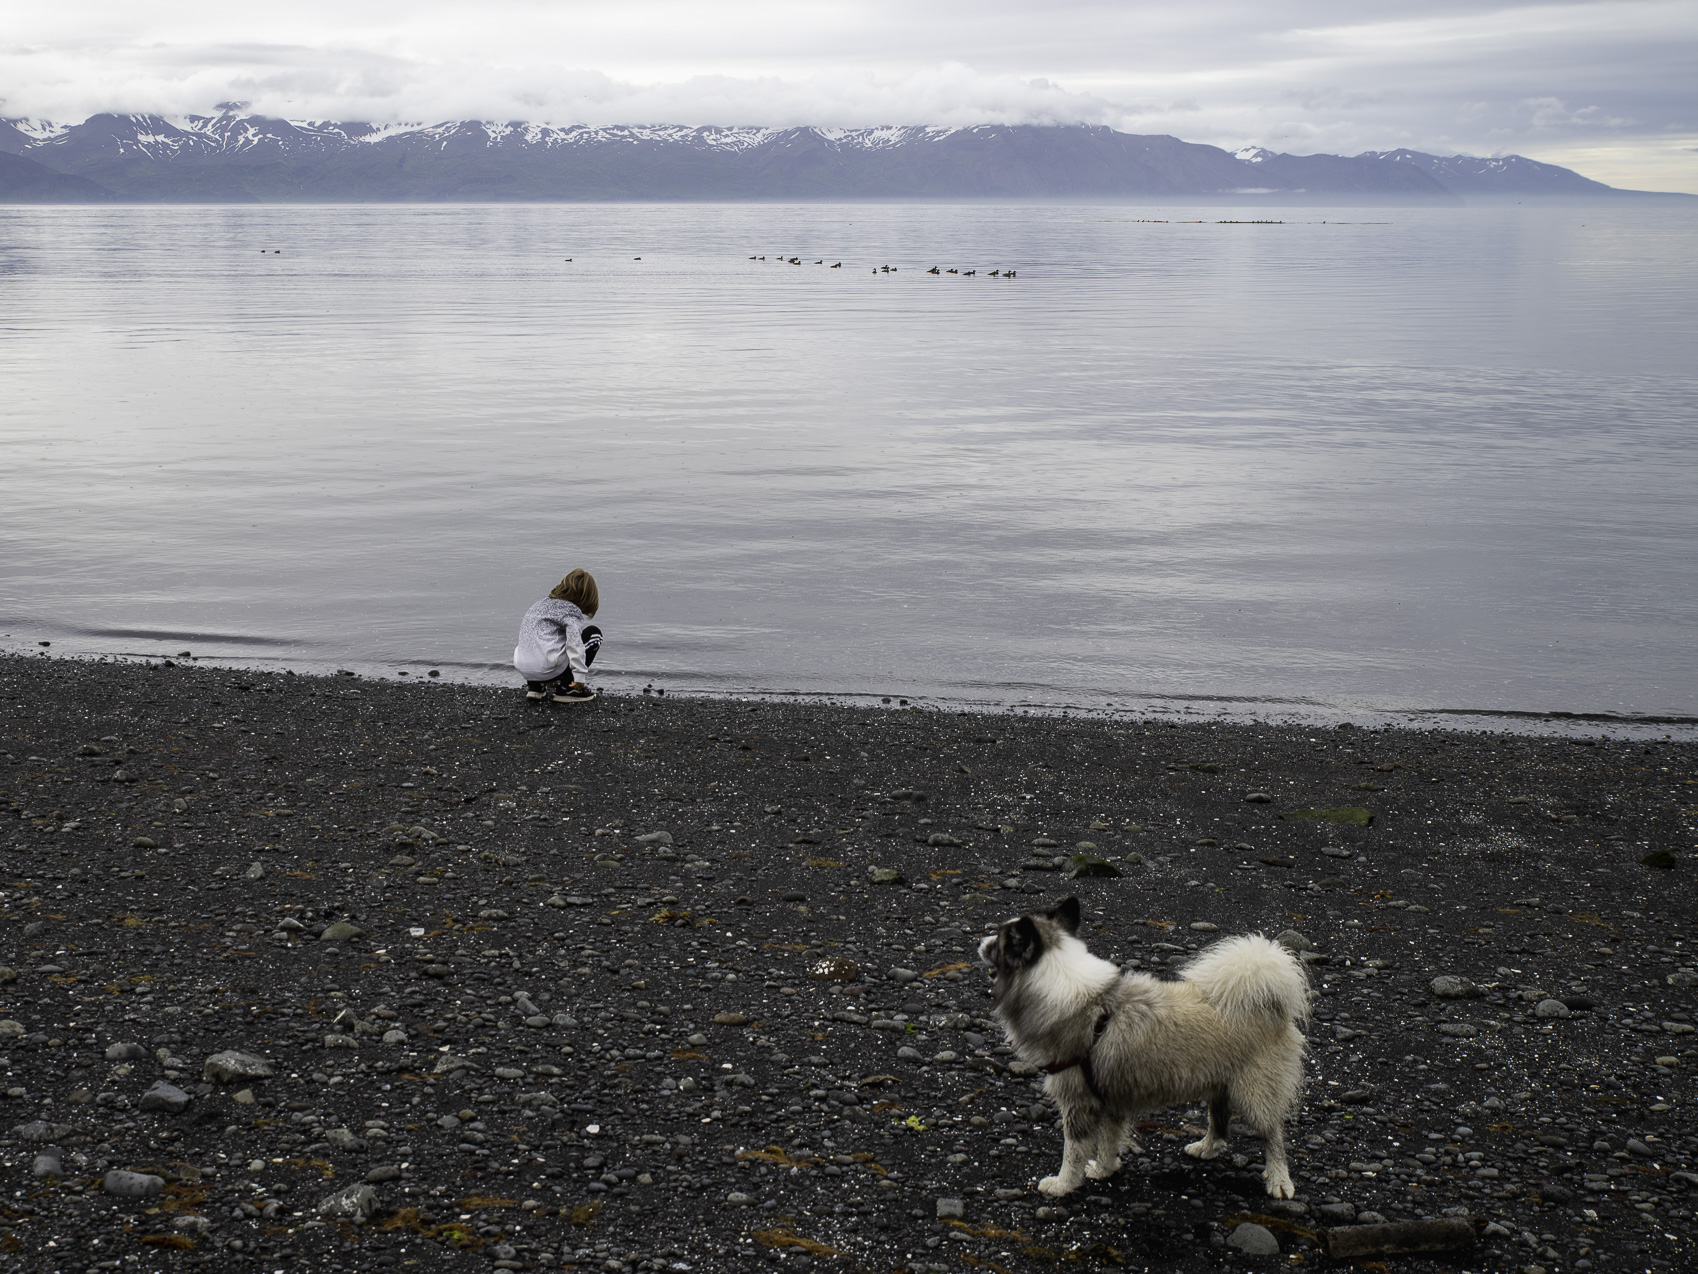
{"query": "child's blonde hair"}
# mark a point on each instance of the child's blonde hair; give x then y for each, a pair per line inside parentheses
(579, 589)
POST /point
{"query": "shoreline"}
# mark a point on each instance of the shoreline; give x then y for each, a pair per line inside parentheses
(1296, 711)
(557, 969)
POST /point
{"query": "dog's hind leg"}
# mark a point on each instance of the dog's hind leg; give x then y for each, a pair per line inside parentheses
(1220, 1120)
(1082, 1128)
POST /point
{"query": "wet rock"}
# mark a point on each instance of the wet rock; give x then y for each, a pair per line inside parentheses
(1253, 1240)
(230, 1067)
(165, 1097)
(835, 969)
(132, 1185)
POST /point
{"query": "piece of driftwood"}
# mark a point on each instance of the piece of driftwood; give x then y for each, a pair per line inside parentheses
(1440, 1235)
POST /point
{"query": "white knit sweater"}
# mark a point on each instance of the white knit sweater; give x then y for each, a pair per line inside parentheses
(551, 642)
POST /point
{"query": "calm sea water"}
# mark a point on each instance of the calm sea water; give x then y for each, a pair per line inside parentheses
(1361, 460)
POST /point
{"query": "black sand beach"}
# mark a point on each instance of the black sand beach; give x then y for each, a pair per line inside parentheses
(658, 984)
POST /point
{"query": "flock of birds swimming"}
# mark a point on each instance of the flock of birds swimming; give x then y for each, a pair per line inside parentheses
(891, 269)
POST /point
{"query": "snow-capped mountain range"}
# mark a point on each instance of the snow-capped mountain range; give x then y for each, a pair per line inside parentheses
(236, 157)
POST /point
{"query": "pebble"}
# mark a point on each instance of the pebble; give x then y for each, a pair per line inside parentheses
(1552, 1008)
(730, 1019)
(125, 1053)
(341, 931)
(48, 1163)
(951, 1209)
(1253, 1240)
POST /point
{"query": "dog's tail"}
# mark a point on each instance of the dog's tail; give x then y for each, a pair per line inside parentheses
(1251, 978)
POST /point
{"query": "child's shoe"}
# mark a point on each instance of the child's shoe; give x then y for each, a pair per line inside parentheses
(567, 692)
(536, 691)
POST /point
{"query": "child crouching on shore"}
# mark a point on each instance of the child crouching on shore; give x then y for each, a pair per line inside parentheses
(556, 643)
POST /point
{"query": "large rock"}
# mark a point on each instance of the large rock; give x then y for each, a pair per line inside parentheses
(231, 1067)
(341, 931)
(357, 1201)
(166, 1097)
(1253, 1240)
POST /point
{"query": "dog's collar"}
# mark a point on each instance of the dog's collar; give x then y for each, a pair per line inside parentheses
(1084, 1059)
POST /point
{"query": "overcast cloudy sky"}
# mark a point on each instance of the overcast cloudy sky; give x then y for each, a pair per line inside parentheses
(1605, 86)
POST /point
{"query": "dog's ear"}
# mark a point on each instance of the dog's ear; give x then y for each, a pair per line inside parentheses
(1021, 941)
(1067, 914)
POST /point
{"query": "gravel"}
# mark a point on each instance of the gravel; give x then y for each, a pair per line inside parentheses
(474, 1007)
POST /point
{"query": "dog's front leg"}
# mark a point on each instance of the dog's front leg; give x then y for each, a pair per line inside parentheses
(1079, 1128)
(1275, 1175)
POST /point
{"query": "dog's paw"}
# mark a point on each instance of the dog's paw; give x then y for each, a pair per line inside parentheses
(1205, 1149)
(1054, 1186)
(1279, 1186)
(1099, 1170)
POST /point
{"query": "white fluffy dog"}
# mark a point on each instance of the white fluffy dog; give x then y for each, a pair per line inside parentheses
(1119, 1045)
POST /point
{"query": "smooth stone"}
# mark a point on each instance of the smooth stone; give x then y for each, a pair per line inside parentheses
(730, 1019)
(1450, 987)
(10, 1029)
(1253, 1240)
(1552, 1008)
(132, 1185)
(230, 1066)
(884, 875)
(951, 1209)
(125, 1053)
(48, 1163)
(341, 931)
(40, 1130)
(383, 1172)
